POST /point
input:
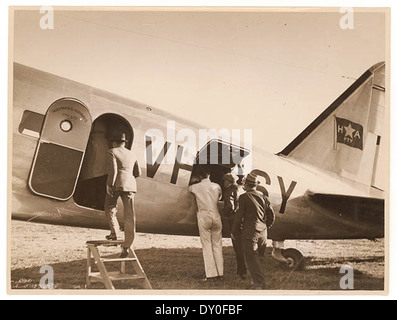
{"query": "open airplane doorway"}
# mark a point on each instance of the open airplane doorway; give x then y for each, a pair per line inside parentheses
(91, 186)
(218, 158)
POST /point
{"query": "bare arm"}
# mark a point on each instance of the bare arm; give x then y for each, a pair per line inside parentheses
(219, 193)
(235, 196)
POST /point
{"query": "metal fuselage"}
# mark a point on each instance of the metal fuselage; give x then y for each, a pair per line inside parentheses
(163, 203)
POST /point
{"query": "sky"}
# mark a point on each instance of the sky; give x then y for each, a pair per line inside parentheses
(272, 72)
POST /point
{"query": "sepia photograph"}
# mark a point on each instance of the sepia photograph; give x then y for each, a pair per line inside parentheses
(192, 150)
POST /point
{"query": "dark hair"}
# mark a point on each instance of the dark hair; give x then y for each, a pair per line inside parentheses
(204, 175)
(204, 172)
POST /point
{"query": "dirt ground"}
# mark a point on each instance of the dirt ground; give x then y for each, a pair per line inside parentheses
(176, 263)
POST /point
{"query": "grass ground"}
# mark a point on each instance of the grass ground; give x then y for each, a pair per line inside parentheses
(176, 263)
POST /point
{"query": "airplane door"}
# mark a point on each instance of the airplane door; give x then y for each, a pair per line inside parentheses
(60, 152)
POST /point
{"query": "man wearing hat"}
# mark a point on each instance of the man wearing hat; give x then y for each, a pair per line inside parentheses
(123, 169)
(252, 217)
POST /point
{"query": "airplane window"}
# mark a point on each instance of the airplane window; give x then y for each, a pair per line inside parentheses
(31, 124)
(66, 126)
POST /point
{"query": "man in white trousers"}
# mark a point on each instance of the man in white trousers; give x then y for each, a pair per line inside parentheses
(210, 226)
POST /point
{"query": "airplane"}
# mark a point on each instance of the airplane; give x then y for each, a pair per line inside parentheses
(321, 185)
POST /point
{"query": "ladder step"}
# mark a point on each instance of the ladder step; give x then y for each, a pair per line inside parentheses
(104, 243)
(108, 277)
(119, 259)
(114, 276)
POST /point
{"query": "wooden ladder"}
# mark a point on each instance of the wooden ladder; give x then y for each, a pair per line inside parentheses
(106, 277)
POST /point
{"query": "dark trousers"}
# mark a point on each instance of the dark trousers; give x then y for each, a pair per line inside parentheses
(251, 252)
(237, 246)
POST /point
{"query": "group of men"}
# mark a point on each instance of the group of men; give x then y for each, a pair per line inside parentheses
(244, 216)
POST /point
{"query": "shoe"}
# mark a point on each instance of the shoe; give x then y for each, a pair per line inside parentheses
(124, 253)
(210, 279)
(243, 276)
(111, 237)
(257, 286)
(219, 278)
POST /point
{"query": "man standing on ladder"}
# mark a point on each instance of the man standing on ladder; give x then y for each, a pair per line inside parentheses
(123, 169)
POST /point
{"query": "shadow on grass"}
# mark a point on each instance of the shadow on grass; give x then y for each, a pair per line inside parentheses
(182, 269)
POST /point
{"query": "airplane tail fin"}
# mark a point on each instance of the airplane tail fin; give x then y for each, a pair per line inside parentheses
(345, 138)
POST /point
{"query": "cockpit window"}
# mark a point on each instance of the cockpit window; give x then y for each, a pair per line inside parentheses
(31, 124)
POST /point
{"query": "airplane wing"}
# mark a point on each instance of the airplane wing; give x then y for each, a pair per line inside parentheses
(366, 209)
(357, 212)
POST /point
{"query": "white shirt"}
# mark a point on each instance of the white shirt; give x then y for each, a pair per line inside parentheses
(207, 196)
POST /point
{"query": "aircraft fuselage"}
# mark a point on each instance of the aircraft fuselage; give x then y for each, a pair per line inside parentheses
(163, 202)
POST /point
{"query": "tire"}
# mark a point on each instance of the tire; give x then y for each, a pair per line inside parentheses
(296, 261)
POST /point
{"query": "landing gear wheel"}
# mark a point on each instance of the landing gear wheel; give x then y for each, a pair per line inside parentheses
(295, 260)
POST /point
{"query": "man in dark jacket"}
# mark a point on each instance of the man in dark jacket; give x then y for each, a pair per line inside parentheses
(123, 169)
(230, 199)
(252, 215)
